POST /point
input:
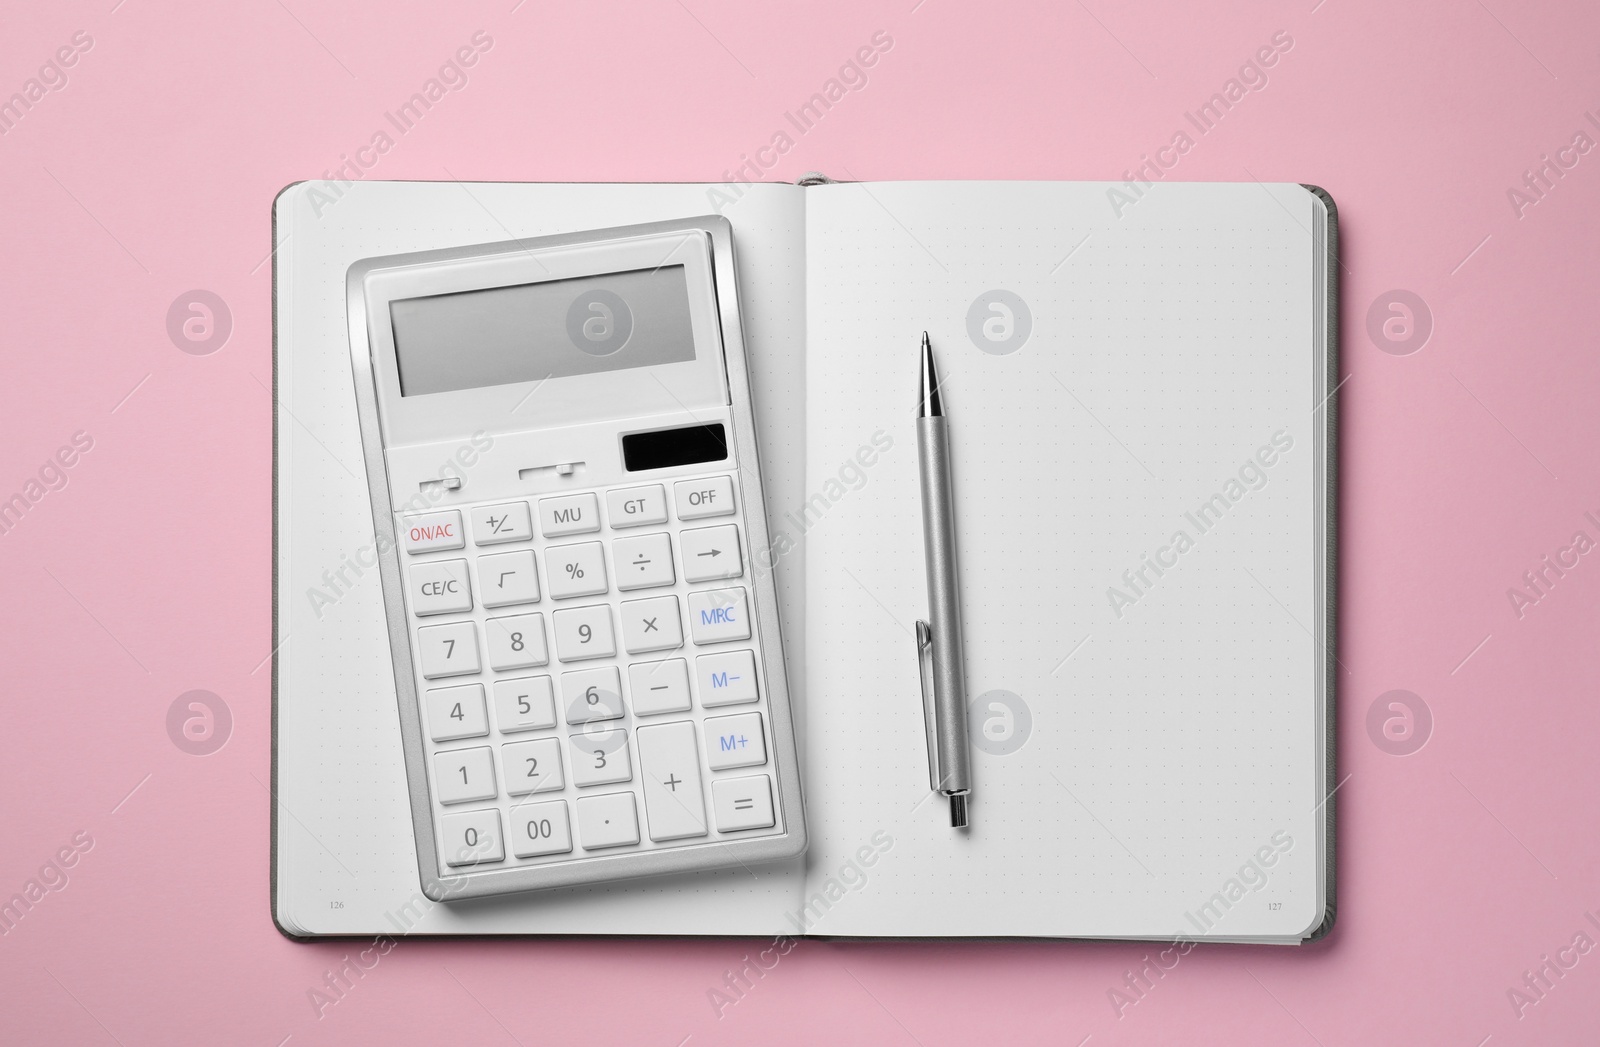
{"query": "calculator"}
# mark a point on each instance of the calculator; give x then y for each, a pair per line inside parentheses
(581, 611)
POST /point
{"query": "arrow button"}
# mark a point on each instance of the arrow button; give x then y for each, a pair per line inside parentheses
(711, 554)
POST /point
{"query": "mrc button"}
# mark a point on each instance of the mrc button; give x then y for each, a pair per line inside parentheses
(431, 532)
(710, 496)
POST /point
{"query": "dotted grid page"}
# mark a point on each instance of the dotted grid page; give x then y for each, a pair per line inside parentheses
(1134, 426)
(346, 861)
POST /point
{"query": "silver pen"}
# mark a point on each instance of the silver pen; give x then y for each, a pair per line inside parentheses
(940, 657)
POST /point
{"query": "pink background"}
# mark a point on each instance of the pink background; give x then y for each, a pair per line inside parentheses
(151, 173)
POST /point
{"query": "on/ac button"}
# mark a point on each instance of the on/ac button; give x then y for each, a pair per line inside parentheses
(697, 499)
(431, 532)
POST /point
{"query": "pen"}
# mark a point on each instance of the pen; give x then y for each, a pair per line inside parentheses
(939, 647)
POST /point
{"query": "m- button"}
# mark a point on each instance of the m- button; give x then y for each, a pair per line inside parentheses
(697, 499)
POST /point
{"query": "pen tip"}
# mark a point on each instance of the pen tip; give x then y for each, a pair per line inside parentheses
(925, 340)
(958, 810)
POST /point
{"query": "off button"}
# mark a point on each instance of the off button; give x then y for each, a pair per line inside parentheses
(440, 587)
(697, 499)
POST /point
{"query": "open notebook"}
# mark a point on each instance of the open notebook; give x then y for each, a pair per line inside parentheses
(1144, 448)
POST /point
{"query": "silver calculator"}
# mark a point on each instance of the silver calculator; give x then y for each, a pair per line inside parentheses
(581, 611)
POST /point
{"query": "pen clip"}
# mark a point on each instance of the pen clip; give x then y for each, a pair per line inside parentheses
(929, 719)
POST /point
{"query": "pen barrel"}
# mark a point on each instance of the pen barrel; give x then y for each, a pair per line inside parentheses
(944, 605)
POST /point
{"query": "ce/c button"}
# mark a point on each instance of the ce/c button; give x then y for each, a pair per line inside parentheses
(440, 587)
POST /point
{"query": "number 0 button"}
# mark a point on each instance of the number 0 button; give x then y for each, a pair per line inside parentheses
(472, 838)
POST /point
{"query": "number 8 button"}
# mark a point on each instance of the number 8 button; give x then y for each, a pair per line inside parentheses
(517, 642)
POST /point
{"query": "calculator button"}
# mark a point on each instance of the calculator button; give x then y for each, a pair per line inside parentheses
(540, 828)
(651, 625)
(600, 756)
(742, 803)
(463, 775)
(584, 632)
(440, 587)
(659, 687)
(717, 615)
(711, 554)
(532, 767)
(674, 802)
(726, 679)
(432, 532)
(457, 712)
(505, 579)
(637, 506)
(607, 821)
(448, 650)
(643, 561)
(569, 514)
(592, 694)
(494, 524)
(472, 838)
(517, 642)
(735, 741)
(711, 496)
(528, 704)
(575, 570)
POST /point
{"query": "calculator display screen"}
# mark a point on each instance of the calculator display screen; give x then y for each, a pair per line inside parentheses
(552, 329)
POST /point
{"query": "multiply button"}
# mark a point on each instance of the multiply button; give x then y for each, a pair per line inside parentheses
(717, 615)
(651, 625)
(440, 587)
(712, 496)
(735, 741)
(431, 532)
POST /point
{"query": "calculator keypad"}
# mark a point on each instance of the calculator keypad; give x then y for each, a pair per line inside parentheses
(615, 702)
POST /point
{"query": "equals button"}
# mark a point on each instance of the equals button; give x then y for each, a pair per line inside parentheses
(743, 803)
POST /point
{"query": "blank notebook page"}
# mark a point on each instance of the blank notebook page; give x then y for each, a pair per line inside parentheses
(1141, 754)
